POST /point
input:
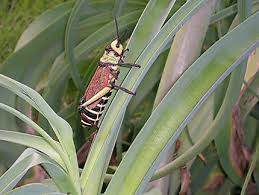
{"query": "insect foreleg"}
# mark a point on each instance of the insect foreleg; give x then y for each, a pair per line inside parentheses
(123, 89)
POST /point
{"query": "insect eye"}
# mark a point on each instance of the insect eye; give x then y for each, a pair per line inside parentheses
(108, 48)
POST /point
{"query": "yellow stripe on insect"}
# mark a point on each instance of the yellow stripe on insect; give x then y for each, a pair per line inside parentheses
(96, 97)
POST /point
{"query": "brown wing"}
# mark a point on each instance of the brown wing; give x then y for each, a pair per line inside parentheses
(99, 81)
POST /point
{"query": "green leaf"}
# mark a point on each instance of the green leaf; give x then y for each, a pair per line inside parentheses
(185, 49)
(28, 159)
(70, 41)
(61, 128)
(28, 54)
(118, 7)
(35, 51)
(98, 159)
(165, 123)
(251, 169)
(244, 9)
(231, 10)
(32, 124)
(249, 97)
(203, 173)
(41, 23)
(151, 79)
(32, 189)
(32, 141)
(230, 159)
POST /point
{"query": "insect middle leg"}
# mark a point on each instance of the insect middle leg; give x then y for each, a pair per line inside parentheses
(122, 64)
(117, 87)
(128, 65)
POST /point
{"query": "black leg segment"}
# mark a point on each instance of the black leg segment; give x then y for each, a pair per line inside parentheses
(123, 89)
(128, 65)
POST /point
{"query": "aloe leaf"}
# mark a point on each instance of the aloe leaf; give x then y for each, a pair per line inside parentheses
(31, 123)
(231, 160)
(70, 41)
(211, 132)
(184, 51)
(31, 38)
(28, 159)
(32, 141)
(61, 128)
(39, 24)
(151, 19)
(151, 79)
(244, 9)
(118, 7)
(229, 11)
(32, 189)
(251, 169)
(249, 97)
(28, 54)
(202, 174)
(161, 131)
(94, 169)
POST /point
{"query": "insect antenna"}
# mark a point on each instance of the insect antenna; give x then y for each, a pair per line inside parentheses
(117, 31)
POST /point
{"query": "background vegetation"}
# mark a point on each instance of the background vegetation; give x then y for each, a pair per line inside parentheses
(15, 16)
(199, 126)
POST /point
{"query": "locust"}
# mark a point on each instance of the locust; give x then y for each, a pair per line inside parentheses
(103, 82)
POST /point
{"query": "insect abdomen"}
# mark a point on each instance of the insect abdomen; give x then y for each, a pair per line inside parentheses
(92, 116)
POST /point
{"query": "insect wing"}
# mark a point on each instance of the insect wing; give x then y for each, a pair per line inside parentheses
(99, 81)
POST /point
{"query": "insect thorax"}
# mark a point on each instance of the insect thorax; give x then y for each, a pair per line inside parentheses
(110, 58)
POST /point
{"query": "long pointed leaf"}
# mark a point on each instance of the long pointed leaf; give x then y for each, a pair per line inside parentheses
(31, 189)
(32, 124)
(28, 159)
(61, 128)
(70, 41)
(93, 173)
(179, 106)
(32, 141)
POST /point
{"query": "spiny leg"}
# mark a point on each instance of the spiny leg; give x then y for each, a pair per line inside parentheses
(128, 65)
(123, 89)
(106, 64)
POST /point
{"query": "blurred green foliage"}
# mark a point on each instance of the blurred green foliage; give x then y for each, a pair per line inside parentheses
(45, 47)
(15, 16)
